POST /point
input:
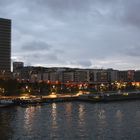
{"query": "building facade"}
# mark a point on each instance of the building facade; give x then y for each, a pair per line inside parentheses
(17, 66)
(5, 48)
(137, 76)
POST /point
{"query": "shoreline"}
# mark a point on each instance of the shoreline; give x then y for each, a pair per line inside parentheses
(90, 97)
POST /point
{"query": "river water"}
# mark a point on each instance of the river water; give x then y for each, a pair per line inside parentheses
(72, 121)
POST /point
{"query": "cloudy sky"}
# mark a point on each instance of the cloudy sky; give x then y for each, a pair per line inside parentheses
(75, 33)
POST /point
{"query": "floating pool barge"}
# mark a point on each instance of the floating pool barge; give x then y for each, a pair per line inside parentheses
(91, 97)
(108, 97)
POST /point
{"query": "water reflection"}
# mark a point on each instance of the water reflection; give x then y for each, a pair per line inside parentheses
(68, 113)
(137, 119)
(69, 109)
(101, 118)
(54, 125)
(72, 121)
(54, 116)
(119, 116)
(101, 123)
(101, 115)
(6, 117)
(81, 113)
(29, 118)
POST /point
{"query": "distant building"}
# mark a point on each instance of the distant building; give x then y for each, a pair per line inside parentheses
(53, 76)
(113, 75)
(126, 76)
(102, 76)
(46, 76)
(17, 66)
(5, 48)
(80, 76)
(92, 75)
(68, 76)
(130, 75)
(137, 76)
(35, 77)
(123, 76)
(62, 75)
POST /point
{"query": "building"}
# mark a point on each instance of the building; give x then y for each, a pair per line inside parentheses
(93, 75)
(137, 76)
(113, 75)
(5, 48)
(53, 76)
(103, 76)
(131, 75)
(80, 75)
(46, 77)
(123, 76)
(68, 76)
(17, 66)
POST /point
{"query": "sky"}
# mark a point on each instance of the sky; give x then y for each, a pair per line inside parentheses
(75, 33)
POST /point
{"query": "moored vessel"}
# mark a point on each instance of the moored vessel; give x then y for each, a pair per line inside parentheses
(6, 102)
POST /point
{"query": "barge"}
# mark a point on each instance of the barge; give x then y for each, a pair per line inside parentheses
(106, 97)
(6, 102)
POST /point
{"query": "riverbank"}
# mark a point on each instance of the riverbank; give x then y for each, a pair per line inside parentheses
(89, 97)
(108, 97)
(35, 100)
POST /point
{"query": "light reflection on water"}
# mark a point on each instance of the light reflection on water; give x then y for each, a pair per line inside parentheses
(72, 121)
(119, 116)
(54, 116)
(29, 118)
(68, 114)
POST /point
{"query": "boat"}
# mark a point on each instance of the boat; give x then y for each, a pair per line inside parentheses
(106, 97)
(122, 96)
(28, 101)
(6, 102)
(90, 97)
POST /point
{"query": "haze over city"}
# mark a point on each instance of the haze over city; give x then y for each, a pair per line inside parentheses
(75, 33)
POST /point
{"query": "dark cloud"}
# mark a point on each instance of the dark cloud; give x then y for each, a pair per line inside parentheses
(82, 63)
(131, 12)
(36, 46)
(82, 33)
(41, 59)
(85, 63)
(133, 51)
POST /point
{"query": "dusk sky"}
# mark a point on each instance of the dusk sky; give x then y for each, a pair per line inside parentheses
(75, 33)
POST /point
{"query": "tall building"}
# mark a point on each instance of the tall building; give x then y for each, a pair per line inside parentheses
(5, 48)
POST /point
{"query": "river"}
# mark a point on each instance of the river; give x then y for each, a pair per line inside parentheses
(72, 121)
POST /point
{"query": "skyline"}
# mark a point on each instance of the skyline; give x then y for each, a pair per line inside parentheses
(76, 33)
